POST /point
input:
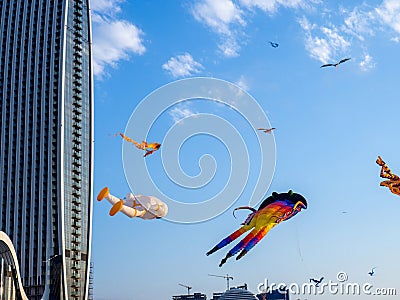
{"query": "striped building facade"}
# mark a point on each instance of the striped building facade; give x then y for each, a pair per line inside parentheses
(46, 143)
(235, 294)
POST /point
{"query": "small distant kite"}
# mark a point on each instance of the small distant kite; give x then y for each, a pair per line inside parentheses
(316, 281)
(145, 207)
(372, 271)
(269, 130)
(274, 45)
(272, 211)
(393, 182)
(148, 147)
(336, 64)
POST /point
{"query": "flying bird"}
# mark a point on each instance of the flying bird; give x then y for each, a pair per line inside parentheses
(372, 271)
(336, 64)
(269, 130)
(316, 281)
(274, 45)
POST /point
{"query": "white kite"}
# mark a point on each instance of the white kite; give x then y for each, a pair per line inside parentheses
(145, 207)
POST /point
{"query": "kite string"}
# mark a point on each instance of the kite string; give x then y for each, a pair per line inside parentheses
(305, 267)
(299, 250)
(298, 244)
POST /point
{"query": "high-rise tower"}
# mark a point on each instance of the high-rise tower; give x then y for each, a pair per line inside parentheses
(46, 143)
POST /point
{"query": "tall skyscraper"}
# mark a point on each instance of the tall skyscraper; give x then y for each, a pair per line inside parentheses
(46, 143)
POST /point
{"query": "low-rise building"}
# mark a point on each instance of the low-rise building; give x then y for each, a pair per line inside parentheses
(195, 296)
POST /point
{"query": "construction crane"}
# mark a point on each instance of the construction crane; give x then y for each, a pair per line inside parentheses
(227, 277)
(186, 286)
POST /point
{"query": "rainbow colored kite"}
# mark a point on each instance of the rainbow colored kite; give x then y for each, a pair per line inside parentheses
(272, 211)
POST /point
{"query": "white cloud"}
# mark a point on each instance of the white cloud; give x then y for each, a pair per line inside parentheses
(219, 15)
(359, 23)
(113, 39)
(224, 18)
(336, 40)
(229, 47)
(182, 66)
(318, 48)
(228, 19)
(306, 25)
(389, 13)
(271, 5)
(329, 43)
(367, 63)
(242, 83)
(107, 7)
(395, 39)
(181, 111)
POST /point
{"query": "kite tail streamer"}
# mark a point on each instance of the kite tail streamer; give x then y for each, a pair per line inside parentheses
(228, 239)
(254, 241)
(238, 247)
(128, 139)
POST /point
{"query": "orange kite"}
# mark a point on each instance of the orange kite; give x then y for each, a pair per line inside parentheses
(393, 182)
(148, 147)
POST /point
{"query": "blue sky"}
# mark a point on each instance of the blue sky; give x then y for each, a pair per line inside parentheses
(332, 123)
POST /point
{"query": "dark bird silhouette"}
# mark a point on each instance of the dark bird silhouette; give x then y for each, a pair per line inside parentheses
(269, 130)
(274, 45)
(337, 64)
(316, 281)
(372, 271)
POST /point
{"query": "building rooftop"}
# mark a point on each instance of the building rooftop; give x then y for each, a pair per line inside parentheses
(237, 294)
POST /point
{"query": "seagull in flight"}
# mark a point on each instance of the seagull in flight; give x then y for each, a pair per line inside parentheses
(269, 130)
(372, 271)
(336, 64)
(274, 45)
(316, 281)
